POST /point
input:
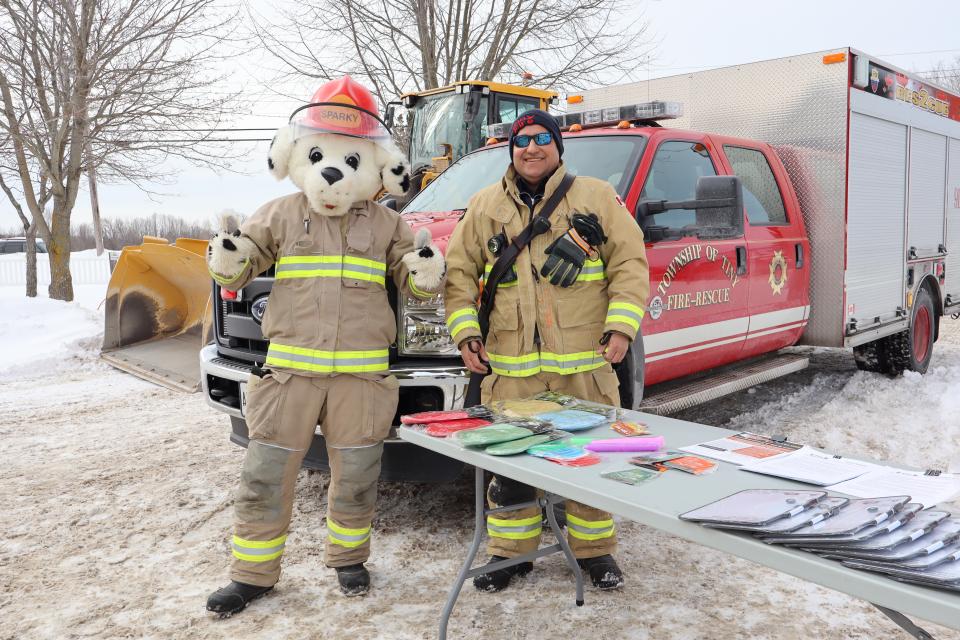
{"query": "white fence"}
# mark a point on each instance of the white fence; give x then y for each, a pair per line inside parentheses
(86, 267)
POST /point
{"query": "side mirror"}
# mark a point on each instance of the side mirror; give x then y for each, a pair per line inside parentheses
(472, 106)
(719, 203)
(389, 114)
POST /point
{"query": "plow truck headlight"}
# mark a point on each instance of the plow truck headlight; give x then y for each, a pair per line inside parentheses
(422, 329)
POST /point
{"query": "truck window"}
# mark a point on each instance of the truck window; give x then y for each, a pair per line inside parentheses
(610, 158)
(510, 108)
(761, 194)
(673, 176)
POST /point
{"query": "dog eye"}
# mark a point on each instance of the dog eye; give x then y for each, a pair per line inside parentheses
(353, 161)
(315, 155)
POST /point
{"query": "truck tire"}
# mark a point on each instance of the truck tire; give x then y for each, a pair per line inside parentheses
(908, 350)
(912, 349)
(869, 357)
(630, 375)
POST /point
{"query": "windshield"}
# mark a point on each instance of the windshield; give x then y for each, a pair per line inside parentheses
(438, 120)
(610, 158)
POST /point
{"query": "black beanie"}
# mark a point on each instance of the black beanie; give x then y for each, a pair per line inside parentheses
(542, 118)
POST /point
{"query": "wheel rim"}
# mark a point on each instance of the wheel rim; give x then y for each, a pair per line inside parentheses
(921, 334)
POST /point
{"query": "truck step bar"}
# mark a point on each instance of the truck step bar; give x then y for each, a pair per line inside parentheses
(723, 383)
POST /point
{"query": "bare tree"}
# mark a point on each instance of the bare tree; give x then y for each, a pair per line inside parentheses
(946, 74)
(105, 84)
(411, 45)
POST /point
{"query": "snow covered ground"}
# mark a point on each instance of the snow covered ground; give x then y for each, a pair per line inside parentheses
(118, 499)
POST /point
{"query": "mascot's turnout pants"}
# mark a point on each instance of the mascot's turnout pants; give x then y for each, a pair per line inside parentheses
(283, 411)
(590, 531)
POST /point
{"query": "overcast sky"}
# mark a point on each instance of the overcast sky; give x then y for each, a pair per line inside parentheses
(691, 35)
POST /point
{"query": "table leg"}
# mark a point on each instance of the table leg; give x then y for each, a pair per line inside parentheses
(564, 545)
(905, 623)
(479, 527)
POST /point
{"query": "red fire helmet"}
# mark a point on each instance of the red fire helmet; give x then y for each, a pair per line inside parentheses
(341, 106)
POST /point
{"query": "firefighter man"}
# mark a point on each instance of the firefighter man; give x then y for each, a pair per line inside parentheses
(572, 310)
(330, 326)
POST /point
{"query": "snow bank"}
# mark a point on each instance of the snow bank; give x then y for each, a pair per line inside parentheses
(40, 334)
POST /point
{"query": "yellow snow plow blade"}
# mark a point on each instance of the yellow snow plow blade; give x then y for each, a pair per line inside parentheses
(158, 313)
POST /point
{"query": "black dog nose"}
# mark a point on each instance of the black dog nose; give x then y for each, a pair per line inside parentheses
(331, 174)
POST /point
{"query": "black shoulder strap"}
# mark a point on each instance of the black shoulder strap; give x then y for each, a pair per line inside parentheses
(538, 224)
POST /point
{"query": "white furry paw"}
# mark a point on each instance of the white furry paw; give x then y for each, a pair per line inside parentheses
(425, 263)
(229, 253)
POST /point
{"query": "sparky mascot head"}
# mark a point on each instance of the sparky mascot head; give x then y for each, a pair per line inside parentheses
(338, 151)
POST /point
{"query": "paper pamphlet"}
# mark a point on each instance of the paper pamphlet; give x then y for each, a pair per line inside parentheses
(742, 448)
(812, 467)
(885, 481)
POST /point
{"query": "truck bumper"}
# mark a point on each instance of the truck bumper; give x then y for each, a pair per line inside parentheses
(421, 389)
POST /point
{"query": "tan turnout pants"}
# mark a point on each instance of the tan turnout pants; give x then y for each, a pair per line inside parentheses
(590, 531)
(283, 411)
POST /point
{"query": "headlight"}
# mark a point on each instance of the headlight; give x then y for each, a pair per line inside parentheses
(422, 329)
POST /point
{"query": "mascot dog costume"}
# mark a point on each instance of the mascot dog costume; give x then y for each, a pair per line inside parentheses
(330, 326)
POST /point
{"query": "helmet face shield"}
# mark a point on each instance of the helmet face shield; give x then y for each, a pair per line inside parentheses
(340, 118)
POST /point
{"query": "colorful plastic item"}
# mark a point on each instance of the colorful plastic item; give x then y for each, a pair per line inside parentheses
(572, 419)
(444, 429)
(492, 434)
(639, 443)
(429, 417)
(518, 446)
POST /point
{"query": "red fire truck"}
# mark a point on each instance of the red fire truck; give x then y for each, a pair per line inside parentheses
(845, 232)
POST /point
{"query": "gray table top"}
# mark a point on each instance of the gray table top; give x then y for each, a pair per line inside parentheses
(658, 503)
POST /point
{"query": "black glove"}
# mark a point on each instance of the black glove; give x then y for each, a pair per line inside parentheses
(565, 258)
(588, 226)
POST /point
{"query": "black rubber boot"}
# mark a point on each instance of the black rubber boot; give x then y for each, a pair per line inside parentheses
(604, 572)
(499, 579)
(234, 597)
(354, 579)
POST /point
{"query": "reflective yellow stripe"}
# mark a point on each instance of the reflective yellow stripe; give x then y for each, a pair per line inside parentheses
(252, 558)
(520, 529)
(346, 537)
(589, 529)
(332, 267)
(224, 282)
(281, 355)
(567, 363)
(595, 524)
(514, 535)
(515, 366)
(461, 320)
(502, 285)
(424, 295)
(259, 544)
(522, 522)
(593, 270)
(346, 530)
(624, 320)
(258, 550)
(591, 536)
(533, 363)
(626, 313)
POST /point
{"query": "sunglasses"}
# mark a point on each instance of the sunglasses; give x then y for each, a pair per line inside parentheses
(542, 139)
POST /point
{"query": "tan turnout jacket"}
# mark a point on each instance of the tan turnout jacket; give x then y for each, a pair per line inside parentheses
(328, 311)
(609, 294)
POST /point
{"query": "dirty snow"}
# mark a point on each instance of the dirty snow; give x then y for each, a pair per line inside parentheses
(118, 500)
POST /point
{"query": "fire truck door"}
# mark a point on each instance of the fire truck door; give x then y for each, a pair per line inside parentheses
(777, 255)
(697, 316)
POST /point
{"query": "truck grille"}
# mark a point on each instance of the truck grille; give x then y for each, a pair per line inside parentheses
(235, 326)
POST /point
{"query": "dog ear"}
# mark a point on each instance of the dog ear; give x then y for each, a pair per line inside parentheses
(279, 154)
(394, 170)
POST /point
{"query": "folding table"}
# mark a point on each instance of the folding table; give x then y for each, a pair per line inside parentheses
(658, 503)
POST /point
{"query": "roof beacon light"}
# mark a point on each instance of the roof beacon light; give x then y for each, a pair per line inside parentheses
(619, 117)
(634, 113)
